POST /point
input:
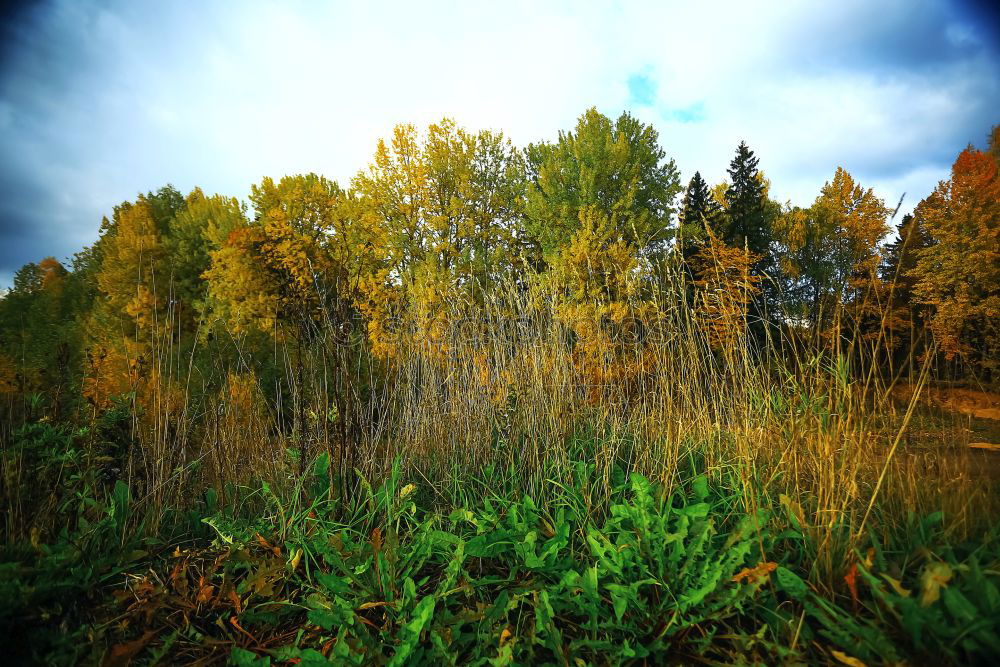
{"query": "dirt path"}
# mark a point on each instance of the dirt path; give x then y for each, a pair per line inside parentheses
(979, 404)
(964, 417)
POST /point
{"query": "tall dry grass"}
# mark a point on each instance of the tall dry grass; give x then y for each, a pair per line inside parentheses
(505, 394)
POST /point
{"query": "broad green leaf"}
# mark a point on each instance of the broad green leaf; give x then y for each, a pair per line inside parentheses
(791, 583)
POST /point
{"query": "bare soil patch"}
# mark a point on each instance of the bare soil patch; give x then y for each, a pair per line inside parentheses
(971, 402)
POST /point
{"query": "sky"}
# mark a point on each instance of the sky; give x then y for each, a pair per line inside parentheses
(102, 100)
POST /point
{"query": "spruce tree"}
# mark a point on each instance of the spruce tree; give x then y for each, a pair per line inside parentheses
(993, 147)
(699, 209)
(747, 224)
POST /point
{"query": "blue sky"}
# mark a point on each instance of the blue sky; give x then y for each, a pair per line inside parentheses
(102, 100)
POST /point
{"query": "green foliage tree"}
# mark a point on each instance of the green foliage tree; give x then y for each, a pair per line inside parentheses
(201, 226)
(617, 168)
(39, 339)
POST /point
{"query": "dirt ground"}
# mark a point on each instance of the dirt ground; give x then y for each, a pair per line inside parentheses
(971, 402)
(957, 419)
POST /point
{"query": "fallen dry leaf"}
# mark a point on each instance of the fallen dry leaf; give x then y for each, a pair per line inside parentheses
(267, 545)
(755, 574)
(851, 579)
(373, 605)
(122, 654)
(235, 598)
(205, 594)
(897, 586)
(845, 659)
(935, 577)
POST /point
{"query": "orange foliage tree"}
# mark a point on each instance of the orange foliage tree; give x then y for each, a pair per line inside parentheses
(958, 274)
(727, 287)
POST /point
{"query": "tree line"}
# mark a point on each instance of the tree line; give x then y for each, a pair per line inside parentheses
(596, 222)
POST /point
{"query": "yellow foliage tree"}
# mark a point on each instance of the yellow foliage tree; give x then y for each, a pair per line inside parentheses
(831, 254)
(133, 261)
(441, 213)
(596, 283)
(133, 282)
(274, 272)
(295, 273)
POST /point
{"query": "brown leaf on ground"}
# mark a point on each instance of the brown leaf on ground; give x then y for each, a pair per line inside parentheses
(122, 654)
(267, 545)
(205, 593)
(755, 574)
(851, 579)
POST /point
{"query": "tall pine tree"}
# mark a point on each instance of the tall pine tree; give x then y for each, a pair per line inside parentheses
(699, 209)
(747, 224)
(748, 221)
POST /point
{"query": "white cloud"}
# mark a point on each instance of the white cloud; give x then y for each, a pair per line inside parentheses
(99, 102)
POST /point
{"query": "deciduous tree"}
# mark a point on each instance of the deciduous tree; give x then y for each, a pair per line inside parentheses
(831, 250)
(958, 274)
(444, 212)
(617, 168)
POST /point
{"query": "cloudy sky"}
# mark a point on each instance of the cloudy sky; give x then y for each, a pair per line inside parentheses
(102, 100)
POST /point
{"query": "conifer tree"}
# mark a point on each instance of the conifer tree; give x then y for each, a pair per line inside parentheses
(905, 318)
(900, 256)
(747, 222)
(993, 147)
(699, 209)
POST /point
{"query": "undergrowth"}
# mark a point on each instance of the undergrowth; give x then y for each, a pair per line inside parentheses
(595, 571)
